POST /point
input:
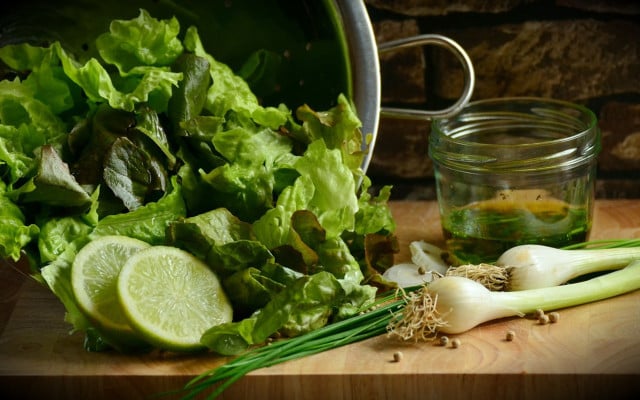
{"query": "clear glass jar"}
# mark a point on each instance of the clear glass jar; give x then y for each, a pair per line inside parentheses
(513, 171)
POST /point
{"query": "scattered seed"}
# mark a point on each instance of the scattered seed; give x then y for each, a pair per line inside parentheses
(455, 343)
(510, 336)
(539, 313)
(422, 271)
(554, 317)
(444, 340)
(543, 319)
(397, 356)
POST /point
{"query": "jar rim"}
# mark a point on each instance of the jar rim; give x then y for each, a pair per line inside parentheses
(493, 106)
(516, 133)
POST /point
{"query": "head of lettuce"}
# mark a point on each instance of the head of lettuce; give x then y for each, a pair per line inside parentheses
(157, 140)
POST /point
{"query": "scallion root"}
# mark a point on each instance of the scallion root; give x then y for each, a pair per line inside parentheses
(418, 319)
(491, 276)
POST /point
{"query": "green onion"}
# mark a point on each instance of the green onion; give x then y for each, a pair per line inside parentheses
(460, 304)
(534, 266)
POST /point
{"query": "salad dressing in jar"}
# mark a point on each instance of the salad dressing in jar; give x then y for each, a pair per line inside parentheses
(514, 171)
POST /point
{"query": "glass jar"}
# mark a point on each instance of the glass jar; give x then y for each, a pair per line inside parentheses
(514, 171)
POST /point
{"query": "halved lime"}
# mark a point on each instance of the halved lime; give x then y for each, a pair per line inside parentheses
(171, 297)
(94, 277)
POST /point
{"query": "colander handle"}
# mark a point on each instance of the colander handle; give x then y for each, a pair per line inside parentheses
(461, 55)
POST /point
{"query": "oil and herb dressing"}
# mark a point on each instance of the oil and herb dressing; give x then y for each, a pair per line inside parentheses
(482, 231)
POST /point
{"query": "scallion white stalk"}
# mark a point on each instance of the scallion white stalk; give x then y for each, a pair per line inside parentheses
(533, 266)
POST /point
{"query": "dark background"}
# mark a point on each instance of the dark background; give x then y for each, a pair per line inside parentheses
(585, 51)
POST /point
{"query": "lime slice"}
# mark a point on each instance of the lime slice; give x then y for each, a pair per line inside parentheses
(94, 277)
(171, 297)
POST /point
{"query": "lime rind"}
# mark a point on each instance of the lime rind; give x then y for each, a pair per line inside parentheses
(171, 297)
(94, 276)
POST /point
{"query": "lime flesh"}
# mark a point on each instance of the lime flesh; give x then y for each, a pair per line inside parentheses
(94, 277)
(171, 297)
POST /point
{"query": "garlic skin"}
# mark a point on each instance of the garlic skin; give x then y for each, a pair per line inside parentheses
(408, 275)
(423, 255)
(428, 256)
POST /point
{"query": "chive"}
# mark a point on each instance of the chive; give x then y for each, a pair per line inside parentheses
(367, 324)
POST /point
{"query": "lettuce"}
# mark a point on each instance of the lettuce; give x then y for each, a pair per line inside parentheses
(143, 41)
(14, 233)
(26, 123)
(156, 139)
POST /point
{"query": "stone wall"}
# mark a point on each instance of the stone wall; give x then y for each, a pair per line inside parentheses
(585, 51)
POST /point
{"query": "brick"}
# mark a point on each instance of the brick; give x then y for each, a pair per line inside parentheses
(627, 7)
(572, 59)
(402, 71)
(620, 126)
(418, 8)
(401, 150)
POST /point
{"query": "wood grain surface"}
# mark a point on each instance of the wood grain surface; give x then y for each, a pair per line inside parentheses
(593, 352)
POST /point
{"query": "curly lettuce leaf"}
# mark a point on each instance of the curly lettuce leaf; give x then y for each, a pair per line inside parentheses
(339, 127)
(140, 41)
(334, 199)
(152, 85)
(374, 214)
(26, 123)
(46, 79)
(230, 92)
(303, 306)
(14, 233)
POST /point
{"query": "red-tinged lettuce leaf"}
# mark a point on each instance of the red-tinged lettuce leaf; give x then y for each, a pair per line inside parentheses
(148, 123)
(187, 101)
(149, 222)
(53, 184)
(132, 175)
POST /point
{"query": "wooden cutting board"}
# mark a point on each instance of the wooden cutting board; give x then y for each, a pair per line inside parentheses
(592, 352)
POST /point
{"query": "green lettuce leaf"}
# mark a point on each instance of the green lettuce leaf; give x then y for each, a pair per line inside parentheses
(230, 92)
(25, 124)
(334, 198)
(14, 233)
(140, 41)
(45, 79)
(339, 127)
(301, 307)
(152, 85)
(147, 223)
